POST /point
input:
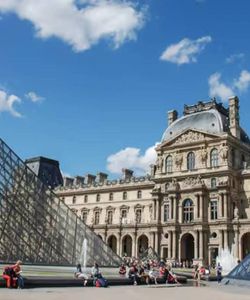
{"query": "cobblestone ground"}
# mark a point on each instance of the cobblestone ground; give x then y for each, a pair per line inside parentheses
(213, 291)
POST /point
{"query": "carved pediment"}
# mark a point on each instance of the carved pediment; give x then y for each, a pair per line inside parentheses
(187, 137)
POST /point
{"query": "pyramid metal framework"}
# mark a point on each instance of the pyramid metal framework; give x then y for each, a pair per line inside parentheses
(37, 227)
(149, 254)
(242, 270)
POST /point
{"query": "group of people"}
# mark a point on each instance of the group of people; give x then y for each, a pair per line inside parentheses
(148, 271)
(12, 276)
(96, 276)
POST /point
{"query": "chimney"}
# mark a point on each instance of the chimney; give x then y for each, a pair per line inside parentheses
(172, 116)
(234, 119)
(79, 180)
(68, 181)
(90, 179)
(101, 177)
(127, 174)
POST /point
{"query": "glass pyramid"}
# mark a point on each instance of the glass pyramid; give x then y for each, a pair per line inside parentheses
(37, 227)
(149, 254)
(242, 270)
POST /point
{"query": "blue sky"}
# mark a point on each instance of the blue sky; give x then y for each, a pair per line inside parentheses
(89, 82)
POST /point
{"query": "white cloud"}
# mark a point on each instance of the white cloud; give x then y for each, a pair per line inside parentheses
(219, 89)
(132, 158)
(185, 51)
(80, 24)
(7, 103)
(243, 82)
(34, 97)
(234, 57)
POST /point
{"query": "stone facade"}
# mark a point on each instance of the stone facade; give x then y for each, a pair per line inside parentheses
(195, 201)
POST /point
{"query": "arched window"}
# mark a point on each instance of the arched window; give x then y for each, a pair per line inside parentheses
(190, 161)
(110, 217)
(169, 164)
(188, 211)
(214, 158)
(139, 195)
(124, 196)
(85, 198)
(98, 198)
(213, 183)
(84, 216)
(138, 216)
(111, 196)
(96, 217)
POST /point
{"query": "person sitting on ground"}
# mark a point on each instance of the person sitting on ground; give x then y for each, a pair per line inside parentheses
(163, 272)
(122, 270)
(143, 273)
(154, 274)
(10, 277)
(80, 274)
(133, 274)
(17, 269)
(95, 273)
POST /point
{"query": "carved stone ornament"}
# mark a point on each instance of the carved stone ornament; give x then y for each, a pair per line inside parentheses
(203, 154)
(173, 185)
(224, 151)
(190, 136)
(159, 163)
(193, 181)
(178, 158)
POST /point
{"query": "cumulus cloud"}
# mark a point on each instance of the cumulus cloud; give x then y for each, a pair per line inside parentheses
(33, 97)
(219, 89)
(243, 82)
(185, 51)
(132, 158)
(80, 24)
(235, 57)
(7, 103)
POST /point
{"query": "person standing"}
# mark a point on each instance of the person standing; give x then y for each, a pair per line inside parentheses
(219, 272)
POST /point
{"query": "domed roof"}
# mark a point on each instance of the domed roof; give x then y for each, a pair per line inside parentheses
(211, 121)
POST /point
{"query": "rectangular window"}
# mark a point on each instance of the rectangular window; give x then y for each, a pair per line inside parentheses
(110, 217)
(166, 212)
(97, 218)
(138, 216)
(214, 209)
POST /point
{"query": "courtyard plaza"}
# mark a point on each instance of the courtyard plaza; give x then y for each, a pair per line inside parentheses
(210, 291)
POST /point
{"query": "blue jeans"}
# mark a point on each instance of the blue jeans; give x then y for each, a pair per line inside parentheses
(20, 282)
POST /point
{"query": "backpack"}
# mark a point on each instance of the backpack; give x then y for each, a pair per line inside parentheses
(101, 282)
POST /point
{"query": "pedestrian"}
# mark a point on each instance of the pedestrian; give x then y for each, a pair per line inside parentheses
(219, 272)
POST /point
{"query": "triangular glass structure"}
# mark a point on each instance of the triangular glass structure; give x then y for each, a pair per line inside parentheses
(242, 270)
(37, 227)
(149, 254)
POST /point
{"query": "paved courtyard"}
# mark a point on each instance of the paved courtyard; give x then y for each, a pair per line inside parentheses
(129, 293)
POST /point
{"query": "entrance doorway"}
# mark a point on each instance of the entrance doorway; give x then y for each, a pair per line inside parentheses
(187, 249)
(112, 242)
(127, 246)
(245, 242)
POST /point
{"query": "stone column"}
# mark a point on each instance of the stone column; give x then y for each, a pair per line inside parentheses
(175, 207)
(221, 239)
(226, 239)
(119, 245)
(170, 244)
(152, 240)
(226, 215)
(180, 213)
(196, 244)
(202, 200)
(237, 243)
(157, 242)
(171, 208)
(174, 245)
(134, 244)
(157, 210)
(197, 207)
(221, 206)
(201, 245)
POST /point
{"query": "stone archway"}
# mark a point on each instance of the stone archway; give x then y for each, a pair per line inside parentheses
(187, 248)
(127, 246)
(142, 244)
(245, 244)
(112, 242)
(100, 237)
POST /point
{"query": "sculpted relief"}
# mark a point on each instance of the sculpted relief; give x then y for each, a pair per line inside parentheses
(224, 151)
(190, 136)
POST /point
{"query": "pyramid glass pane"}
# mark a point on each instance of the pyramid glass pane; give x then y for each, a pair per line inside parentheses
(242, 271)
(37, 227)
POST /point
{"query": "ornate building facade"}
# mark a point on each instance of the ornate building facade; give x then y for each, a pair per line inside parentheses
(196, 200)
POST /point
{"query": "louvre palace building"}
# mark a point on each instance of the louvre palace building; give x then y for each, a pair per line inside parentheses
(194, 202)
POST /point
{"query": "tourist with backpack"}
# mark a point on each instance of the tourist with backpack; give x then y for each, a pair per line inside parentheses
(98, 279)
